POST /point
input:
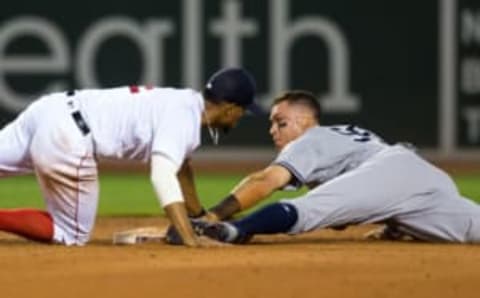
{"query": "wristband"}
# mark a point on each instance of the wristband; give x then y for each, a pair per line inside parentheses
(227, 207)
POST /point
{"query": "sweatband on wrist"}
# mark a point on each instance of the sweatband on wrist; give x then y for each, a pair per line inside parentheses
(227, 207)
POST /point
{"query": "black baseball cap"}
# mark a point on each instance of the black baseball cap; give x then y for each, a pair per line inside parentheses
(235, 85)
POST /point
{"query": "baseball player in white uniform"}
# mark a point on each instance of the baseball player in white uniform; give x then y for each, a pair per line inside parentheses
(354, 178)
(62, 135)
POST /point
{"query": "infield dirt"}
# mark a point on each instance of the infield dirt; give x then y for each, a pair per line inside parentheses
(320, 264)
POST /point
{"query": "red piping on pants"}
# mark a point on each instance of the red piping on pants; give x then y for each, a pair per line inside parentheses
(77, 207)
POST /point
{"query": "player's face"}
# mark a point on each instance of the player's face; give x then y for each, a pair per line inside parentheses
(285, 126)
(230, 116)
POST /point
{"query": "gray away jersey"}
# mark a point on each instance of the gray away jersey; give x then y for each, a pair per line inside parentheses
(325, 152)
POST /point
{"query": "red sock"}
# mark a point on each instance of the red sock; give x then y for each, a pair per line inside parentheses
(29, 223)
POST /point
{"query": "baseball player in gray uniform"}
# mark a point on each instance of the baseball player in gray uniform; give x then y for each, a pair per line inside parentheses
(354, 177)
(61, 136)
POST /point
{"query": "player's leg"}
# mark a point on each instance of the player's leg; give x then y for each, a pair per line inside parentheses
(435, 210)
(29, 223)
(70, 191)
(453, 218)
(67, 174)
(15, 159)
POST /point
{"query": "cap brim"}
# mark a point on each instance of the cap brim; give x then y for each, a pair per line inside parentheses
(256, 110)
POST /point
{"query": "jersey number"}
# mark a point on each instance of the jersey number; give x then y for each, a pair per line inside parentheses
(358, 134)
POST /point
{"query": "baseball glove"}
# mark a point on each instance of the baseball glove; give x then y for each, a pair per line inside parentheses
(172, 237)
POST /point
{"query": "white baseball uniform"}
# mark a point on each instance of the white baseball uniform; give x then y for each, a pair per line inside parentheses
(61, 136)
(356, 178)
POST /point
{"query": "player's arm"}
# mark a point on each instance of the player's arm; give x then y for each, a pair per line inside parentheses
(167, 188)
(252, 189)
(187, 183)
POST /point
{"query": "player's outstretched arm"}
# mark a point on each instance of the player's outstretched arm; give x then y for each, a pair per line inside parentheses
(251, 190)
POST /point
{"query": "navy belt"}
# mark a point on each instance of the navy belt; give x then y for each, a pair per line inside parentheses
(78, 118)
